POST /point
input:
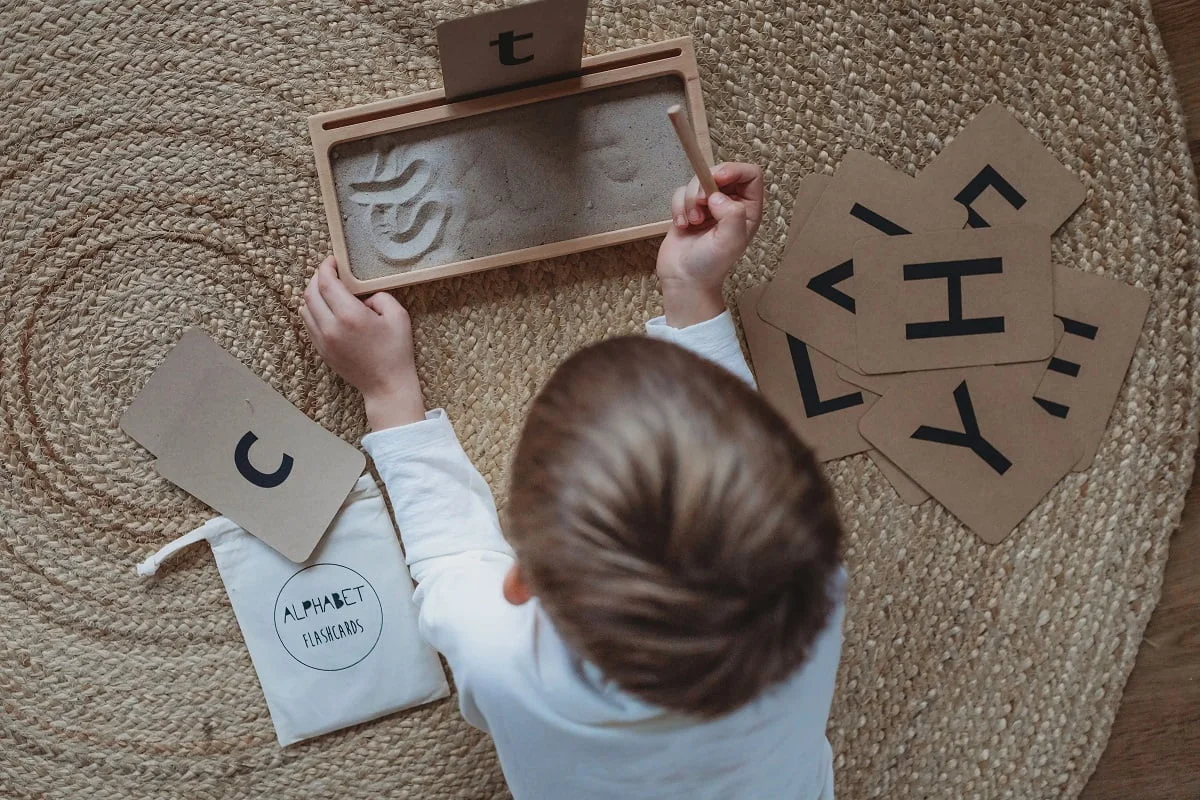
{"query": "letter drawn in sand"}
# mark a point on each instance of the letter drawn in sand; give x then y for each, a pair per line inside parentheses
(409, 216)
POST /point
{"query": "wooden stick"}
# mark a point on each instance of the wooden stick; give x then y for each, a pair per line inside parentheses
(687, 138)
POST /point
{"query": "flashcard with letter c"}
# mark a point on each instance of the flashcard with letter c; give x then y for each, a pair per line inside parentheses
(979, 444)
(223, 435)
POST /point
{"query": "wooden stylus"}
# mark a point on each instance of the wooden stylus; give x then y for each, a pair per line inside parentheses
(691, 146)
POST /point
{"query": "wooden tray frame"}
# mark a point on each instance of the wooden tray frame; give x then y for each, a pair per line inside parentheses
(671, 57)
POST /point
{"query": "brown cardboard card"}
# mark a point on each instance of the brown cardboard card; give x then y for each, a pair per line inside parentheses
(1103, 320)
(980, 446)
(1003, 175)
(812, 296)
(1027, 373)
(803, 386)
(531, 42)
(908, 489)
(954, 299)
(807, 198)
(225, 436)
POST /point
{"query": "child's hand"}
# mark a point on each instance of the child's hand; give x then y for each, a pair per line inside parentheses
(369, 343)
(707, 237)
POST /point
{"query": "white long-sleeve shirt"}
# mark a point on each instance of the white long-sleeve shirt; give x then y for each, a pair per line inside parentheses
(562, 731)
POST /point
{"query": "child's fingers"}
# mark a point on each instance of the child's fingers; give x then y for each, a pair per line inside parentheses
(315, 304)
(730, 215)
(678, 209)
(338, 298)
(387, 307)
(737, 173)
(314, 331)
(694, 198)
(743, 183)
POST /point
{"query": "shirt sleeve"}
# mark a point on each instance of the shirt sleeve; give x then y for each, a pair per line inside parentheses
(452, 543)
(714, 339)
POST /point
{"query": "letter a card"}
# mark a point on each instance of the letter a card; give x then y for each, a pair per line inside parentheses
(226, 437)
(1102, 319)
(812, 296)
(954, 299)
(980, 445)
(803, 386)
(1003, 175)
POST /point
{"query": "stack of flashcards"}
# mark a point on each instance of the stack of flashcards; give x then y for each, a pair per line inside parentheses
(921, 321)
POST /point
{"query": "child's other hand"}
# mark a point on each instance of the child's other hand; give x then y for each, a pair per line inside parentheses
(707, 237)
(369, 343)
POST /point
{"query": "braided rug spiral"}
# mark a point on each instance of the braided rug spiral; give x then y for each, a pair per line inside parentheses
(156, 174)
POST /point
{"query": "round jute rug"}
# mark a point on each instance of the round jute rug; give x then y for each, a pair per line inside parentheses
(155, 174)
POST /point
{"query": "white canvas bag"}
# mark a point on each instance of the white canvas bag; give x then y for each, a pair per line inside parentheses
(334, 640)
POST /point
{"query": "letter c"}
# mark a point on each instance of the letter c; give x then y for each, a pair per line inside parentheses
(267, 480)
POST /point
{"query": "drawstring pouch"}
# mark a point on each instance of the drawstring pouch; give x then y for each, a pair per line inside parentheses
(334, 640)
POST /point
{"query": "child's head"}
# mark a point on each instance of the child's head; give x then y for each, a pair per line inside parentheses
(676, 531)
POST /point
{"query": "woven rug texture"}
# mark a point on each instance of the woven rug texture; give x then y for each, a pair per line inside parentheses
(156, 174)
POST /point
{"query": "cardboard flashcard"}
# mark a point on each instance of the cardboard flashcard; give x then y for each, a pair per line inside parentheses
(954, 299)
(1003, 175)
(803, 386)
(807, 198)
(909, 490)
(1027, 373)
(536, 41)
(1103, 320)
(223, 435)
(980, 446)
(812, 296)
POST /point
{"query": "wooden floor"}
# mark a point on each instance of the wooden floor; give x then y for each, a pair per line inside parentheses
(1154, 751)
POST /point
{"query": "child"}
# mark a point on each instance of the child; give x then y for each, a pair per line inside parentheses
(667, 619)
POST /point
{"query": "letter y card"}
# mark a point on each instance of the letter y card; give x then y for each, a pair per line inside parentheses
(980, 445)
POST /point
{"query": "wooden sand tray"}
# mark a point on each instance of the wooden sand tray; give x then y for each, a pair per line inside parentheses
(420, 188)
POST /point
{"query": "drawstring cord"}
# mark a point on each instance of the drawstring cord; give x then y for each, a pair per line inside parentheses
(151, 564)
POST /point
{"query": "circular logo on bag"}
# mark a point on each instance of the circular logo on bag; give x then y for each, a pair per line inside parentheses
(328, 617)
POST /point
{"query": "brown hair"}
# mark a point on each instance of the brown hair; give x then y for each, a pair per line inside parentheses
(677, 532)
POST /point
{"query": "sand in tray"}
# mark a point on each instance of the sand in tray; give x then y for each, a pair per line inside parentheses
(509, 179)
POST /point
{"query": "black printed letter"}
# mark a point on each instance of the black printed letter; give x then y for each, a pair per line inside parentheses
(987, 177)
(825, 283)
(1071, 327)
(508, 56)
(970, 437)
(267, 480)
(953, 272)
(814, 406)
